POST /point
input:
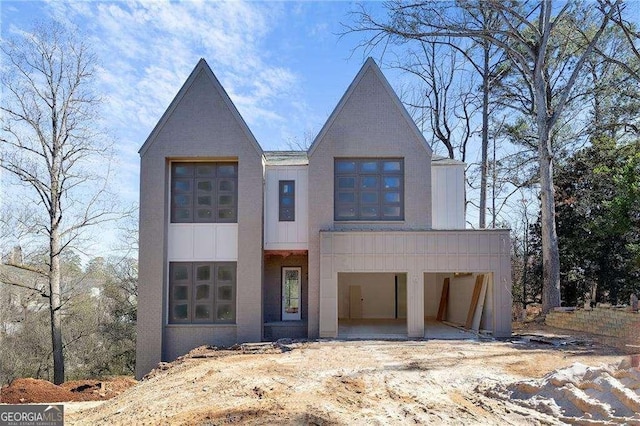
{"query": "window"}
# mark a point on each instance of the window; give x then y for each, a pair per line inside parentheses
(291, 280)
(204, 192)
(369, 189)
(202, 292)
(287, 201)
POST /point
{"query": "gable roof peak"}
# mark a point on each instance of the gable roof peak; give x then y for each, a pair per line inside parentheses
(202, 62)
(201, 66)
(369, 64)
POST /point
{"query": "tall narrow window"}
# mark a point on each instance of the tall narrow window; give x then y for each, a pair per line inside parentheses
(202, 292)
(291, 283)
(204, 192)
(287, 201)
(369, 189)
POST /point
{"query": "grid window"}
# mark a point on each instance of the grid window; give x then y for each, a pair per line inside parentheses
(287, 201)
(202, 292)
(204, 192)
(369, 189)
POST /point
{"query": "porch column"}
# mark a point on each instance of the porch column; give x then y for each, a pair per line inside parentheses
(415, 304)
(328, 298)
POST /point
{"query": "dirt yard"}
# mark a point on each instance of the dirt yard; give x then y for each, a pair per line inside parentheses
(27, 391)
(370, 382)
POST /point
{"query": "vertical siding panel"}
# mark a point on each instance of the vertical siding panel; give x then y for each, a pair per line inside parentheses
(448, 196)
(286, 235)
(410, 243)
(271, 193)
(421, 244)
(388, 262)
(380, 243)
(346, 254)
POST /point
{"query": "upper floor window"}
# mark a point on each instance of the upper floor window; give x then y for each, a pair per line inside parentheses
(287, 201)
(368, 189)
(204, 192)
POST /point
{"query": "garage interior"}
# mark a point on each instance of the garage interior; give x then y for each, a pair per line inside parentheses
(455, 309)
(374, 305)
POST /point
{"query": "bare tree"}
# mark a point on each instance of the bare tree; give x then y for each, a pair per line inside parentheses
(612, 91)
(52, 145)
(295, 143)
(447, 63)
(489, 67)
(443, 102)
(529, 33)
(632, 36)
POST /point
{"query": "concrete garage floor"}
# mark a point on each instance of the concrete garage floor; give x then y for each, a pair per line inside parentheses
(437, 330)
(397, 329)
(372, 329)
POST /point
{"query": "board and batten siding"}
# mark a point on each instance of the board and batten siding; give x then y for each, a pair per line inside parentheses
(414, 253)
(447, 195)
(286, 235)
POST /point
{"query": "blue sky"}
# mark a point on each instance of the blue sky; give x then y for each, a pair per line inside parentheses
(282, 63)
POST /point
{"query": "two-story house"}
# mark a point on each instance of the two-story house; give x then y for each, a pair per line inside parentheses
(242, 245)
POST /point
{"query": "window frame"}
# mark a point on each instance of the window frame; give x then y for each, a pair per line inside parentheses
(213, 300)
(290, 316)
(360, 190)
(282, 209)
(191, 178)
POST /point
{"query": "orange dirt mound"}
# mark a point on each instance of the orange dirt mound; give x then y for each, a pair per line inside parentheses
(33, 390)
(25, 391)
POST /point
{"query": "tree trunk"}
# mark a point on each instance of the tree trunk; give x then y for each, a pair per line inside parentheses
(54, 305)
(485, 138)
(550, 251)
(544, 122)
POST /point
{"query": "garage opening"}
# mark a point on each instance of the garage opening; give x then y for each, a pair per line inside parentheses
(457, 304)
(372, 305)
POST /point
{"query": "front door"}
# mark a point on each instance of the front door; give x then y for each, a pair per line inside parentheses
(291, 283)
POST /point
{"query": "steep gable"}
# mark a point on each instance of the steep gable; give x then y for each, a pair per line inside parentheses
(206, 105)
(370, 108)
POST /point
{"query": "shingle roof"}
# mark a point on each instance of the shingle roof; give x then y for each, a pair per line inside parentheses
(440, 160)
(286, 158)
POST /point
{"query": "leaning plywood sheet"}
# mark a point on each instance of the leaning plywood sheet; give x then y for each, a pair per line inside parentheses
(444, 301)
(475, 325)
(477, 288)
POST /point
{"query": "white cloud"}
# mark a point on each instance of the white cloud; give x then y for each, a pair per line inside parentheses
(148, 48)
